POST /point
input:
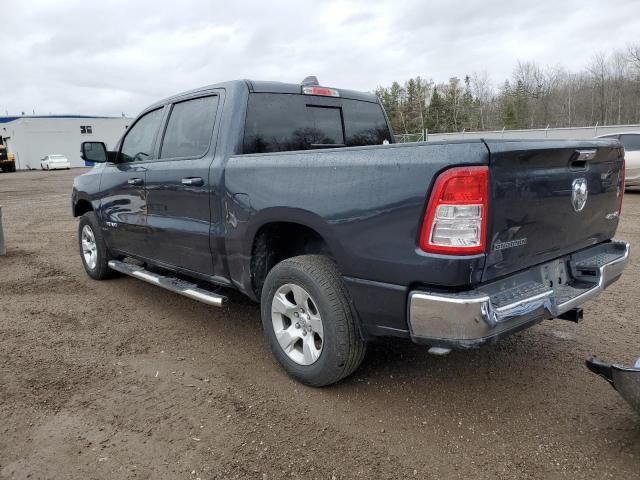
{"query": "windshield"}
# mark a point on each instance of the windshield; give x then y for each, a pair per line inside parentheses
(57, 157)
(281, 122)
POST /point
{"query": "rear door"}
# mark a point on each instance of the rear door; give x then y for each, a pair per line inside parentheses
(123, 206)
(549, 198)
(179, 188)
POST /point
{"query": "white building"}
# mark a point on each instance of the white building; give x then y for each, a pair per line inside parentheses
(30, 138)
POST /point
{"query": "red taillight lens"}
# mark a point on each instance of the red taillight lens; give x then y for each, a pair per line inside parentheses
(456, 218)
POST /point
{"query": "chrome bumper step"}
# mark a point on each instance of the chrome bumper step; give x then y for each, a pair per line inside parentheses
(555, 289)
(173, 284)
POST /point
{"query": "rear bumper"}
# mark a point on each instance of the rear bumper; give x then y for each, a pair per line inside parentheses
(493, 310)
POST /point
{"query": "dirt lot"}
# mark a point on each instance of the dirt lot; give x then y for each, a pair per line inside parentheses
(120, 379)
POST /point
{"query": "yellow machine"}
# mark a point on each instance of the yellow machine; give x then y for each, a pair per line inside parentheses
(7, 160)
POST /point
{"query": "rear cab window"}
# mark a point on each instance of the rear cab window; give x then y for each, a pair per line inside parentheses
(279, 122)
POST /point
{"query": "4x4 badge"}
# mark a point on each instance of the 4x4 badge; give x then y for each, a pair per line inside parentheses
(579, 194)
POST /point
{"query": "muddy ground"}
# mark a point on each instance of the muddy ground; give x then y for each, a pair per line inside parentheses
(120, 379)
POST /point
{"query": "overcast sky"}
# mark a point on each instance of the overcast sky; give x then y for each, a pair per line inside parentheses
(113, 56)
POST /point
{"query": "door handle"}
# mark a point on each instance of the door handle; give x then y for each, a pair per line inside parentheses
(193, 181)
(135, 181)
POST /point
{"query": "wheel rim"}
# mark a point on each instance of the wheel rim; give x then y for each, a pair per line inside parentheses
(297, 324)
(89, 247)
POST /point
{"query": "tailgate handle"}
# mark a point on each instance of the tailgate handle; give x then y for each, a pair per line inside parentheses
(581, 160)
(579, 165)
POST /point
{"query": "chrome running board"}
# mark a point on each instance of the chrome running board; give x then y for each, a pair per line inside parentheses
(175, 285)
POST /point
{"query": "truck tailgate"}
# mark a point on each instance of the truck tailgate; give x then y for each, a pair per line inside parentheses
(536, 203)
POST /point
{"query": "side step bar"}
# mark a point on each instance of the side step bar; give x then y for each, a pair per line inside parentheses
(173, 284)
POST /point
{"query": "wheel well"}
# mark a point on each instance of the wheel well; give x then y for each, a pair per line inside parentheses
(82, 207)
(275, 242)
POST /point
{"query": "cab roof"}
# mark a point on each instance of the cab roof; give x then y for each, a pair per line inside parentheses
(262, 86)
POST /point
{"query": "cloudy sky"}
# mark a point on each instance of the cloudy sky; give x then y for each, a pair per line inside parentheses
(114, 56)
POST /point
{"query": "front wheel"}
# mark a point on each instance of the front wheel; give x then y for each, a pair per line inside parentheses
(93, 249)
(308, 321)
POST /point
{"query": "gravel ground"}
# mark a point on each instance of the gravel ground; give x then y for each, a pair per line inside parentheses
(120, 379)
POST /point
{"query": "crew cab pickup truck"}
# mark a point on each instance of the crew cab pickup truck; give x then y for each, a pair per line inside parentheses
(297, 196)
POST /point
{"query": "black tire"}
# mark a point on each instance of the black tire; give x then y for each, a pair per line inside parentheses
(101, 270)
(343, 347)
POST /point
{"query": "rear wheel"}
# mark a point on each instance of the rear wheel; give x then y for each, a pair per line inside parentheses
(93, 249)
(308, 321)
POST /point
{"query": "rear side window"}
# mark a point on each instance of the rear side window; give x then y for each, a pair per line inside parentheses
(190, 128)
(631, 142)
(283, 122)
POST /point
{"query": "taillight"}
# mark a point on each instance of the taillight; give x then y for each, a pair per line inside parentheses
(456, 218)
(622, 176)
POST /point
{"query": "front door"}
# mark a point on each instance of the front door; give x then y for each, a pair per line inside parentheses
(179, 189)
(123, 207)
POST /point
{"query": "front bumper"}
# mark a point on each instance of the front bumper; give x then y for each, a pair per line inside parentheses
(496, 309)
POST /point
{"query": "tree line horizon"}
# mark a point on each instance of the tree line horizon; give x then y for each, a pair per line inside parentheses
(605, 92)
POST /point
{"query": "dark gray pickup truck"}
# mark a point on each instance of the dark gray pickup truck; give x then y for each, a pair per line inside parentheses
(296, 195)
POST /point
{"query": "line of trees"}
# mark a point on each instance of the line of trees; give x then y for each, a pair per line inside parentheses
(606, 92)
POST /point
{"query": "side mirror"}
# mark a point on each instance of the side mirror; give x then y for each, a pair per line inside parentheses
(95, 152)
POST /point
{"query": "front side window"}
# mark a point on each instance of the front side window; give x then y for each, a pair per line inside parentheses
(138, 144)
(283, 122)
(190, 128)
(631, 142)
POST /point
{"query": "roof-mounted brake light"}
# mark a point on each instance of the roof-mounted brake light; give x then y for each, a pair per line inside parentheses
(321, 91)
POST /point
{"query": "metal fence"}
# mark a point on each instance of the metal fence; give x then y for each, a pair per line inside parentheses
(577, 133)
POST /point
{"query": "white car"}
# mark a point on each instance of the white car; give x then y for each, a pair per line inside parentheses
(631, 142)
(55, 162)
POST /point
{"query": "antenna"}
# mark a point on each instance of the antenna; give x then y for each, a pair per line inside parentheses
(310, 80)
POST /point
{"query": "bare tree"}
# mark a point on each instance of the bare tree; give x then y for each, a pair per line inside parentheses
(619, 67)
(599, 69)
(634, 54)
(481, 85)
